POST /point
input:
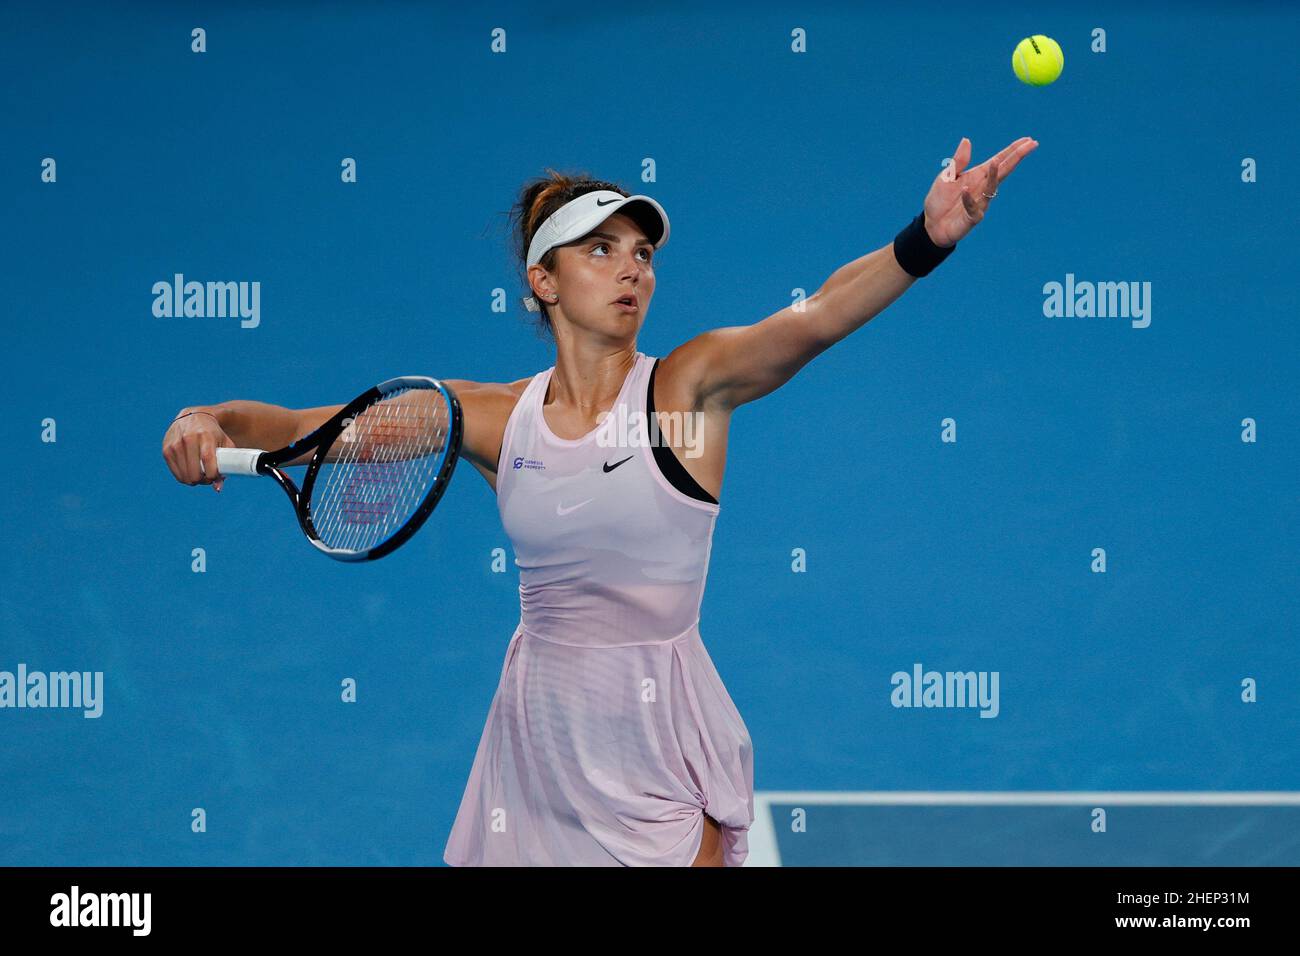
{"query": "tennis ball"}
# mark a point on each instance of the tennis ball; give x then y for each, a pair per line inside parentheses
(1038, 60)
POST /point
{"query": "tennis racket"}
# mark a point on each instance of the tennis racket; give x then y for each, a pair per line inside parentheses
(377, 467)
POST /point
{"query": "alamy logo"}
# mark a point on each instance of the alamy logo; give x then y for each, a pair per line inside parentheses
(102, 909)
(949, 689)
(55, 689)
(640, 430)
(1103, 300)
(208, 300)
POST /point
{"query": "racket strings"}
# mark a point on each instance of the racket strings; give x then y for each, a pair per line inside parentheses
(380, 469)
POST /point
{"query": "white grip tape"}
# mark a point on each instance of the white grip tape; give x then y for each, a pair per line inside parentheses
(238, 461)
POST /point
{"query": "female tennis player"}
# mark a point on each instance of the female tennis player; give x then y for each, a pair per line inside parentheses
(611, 739)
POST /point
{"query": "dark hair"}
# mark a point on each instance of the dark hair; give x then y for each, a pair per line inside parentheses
(537, 200)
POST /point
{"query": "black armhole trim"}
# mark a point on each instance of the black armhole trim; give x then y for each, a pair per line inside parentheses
(669, 464)
(504, 435)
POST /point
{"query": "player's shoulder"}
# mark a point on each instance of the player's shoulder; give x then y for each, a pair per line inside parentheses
(516, 388)
(681, 371)
(487, 407)
(490, 394)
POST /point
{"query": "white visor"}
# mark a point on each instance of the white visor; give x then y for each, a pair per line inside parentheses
(575, 219)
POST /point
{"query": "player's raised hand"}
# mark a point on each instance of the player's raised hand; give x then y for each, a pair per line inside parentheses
(959, 196)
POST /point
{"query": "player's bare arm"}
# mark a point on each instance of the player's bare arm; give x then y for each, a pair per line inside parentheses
(486, 407)
(727, 367)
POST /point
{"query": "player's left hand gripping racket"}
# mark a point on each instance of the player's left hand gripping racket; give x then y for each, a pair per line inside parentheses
(379, 466)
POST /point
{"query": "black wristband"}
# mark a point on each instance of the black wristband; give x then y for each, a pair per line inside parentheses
(916, 251)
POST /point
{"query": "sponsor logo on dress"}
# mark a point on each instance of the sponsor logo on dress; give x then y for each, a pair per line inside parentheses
(532, 464)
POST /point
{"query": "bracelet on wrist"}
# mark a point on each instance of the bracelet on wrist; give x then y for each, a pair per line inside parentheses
(197, 411)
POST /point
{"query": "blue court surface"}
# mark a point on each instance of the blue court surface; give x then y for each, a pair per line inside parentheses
(1095, 515)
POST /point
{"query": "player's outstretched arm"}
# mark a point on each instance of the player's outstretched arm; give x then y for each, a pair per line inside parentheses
(191, 441)
(727, 367)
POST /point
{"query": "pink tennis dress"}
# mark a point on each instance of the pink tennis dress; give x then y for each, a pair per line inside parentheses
(611, 734)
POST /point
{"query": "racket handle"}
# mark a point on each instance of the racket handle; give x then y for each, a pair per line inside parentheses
(238, 461)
